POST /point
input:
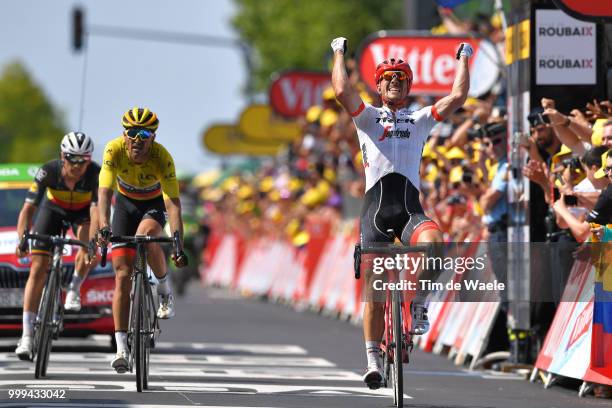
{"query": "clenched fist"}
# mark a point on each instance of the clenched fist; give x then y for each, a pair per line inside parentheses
(465, 49)
(339, 44)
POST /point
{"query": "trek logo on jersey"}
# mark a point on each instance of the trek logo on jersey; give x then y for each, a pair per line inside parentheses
(364, 153)
(388, 133)
(387, 119)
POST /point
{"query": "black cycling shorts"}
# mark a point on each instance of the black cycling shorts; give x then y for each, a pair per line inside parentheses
(393, 203)
(49, 221)
(129, 213)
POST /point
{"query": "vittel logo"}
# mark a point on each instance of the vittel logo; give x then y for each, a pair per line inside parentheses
(427, 67)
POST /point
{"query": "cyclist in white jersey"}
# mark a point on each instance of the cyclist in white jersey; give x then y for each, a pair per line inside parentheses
(392, 139)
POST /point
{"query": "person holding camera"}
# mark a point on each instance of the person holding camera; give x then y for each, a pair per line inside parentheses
(602, 210)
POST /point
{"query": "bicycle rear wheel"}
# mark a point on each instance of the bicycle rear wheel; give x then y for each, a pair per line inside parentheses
(138, 337)
(398, 374)
(45, 331)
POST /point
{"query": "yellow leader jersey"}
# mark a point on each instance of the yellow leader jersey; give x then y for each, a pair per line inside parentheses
(144, 181)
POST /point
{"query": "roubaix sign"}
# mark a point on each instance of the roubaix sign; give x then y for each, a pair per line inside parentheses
(293, 92)
(432, 59)
(566, 50)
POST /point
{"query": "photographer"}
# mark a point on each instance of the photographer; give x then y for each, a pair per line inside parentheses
(602, 211)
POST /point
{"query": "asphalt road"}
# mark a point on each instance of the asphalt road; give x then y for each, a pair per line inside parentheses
(224, 351)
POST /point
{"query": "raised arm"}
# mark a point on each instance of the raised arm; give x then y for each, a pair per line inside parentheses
(345, 93)
(449, 104)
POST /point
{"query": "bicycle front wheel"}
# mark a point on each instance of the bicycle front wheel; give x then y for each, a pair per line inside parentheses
(138, 334)
(44, 333)
(398, 374)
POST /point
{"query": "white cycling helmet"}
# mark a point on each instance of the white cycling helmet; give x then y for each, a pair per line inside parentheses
(77, 143)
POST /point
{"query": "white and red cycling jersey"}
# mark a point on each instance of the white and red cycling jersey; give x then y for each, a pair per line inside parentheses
(393, 141)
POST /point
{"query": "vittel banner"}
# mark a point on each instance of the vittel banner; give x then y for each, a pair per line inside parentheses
(293, 92)
(432, 59)
(566, 49)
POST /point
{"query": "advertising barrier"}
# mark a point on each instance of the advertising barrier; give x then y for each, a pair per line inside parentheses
(319, 276)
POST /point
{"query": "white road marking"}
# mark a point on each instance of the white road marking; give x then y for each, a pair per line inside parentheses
(103, 341)
(178, 371)
(105, 405)
(193, 387)
(189, 359)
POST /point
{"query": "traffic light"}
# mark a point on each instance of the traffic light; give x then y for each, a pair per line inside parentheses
(78, 34)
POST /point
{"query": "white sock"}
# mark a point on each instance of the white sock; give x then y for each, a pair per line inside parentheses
(121, 340)
(163, 287)
(76, 281)
(373, 353)
(29, 318)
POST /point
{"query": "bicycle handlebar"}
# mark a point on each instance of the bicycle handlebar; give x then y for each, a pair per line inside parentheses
(54, 240)
(143, 239)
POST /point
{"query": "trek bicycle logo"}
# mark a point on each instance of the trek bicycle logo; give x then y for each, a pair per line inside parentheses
(387, 119)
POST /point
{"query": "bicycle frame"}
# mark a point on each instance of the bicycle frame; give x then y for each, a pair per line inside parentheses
(50, 317)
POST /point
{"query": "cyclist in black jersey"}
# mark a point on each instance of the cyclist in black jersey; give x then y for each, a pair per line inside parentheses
(392, 140)
(64, 190)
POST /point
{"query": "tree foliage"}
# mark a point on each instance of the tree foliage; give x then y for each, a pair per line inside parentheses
(30, 126)
(287, 34)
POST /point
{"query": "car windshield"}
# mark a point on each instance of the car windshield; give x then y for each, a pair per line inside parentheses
(12, 201)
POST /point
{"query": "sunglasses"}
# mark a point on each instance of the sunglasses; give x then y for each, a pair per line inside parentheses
(76, 159)
(143, 134)
(494, 142)
(388, 75)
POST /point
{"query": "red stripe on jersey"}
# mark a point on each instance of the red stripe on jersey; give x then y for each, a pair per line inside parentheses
(359, 110)
(435, 114)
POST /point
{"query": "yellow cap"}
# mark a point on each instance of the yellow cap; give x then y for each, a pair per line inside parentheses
(329, 94)
(427, 152)
(244, 192)
(266, 184)
(329, 174)
(455, 153)
(295, 184)
(455, 174)
(274, 195)
(300, 239)
(313, 113)
(560, 156)
(597, 136)
(329, 117)
(599, 174)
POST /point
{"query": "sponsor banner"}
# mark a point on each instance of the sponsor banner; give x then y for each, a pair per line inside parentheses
(18, 172)
(567, 347)
(258, 124)
(566, 49)
(226, 139)
(432, 59)
(293, 92)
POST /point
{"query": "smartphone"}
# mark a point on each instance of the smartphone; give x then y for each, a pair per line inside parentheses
(570, 200)
(544, 118)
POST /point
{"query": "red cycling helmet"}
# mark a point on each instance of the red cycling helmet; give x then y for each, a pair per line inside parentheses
(393, 65)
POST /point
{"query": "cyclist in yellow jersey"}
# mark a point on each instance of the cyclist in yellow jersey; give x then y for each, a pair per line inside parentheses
(143, 174)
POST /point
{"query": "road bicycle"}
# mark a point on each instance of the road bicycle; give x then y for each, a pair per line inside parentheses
(50, 318)
(143, 326)
(397, 342)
